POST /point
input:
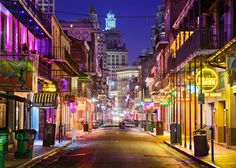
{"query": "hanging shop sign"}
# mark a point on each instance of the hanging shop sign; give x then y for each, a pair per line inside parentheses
(201, 98)
(63, 85)
(209, 79)
(49, 88)
(16, 74)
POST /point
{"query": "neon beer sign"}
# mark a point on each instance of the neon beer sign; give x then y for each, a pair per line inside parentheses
(209, 79)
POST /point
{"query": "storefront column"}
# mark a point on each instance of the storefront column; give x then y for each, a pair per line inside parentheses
(185, 110)
(231, 112)
(190, 110)
(180, 105)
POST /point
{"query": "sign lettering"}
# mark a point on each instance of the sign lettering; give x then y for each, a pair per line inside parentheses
(209, 80)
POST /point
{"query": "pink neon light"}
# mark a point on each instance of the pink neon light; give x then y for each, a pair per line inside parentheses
(8, 31)
(31, 41)
(23, 34)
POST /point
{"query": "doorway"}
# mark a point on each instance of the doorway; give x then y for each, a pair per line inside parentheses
(224, 113)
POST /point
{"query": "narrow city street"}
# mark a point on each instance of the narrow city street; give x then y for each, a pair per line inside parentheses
(117, 148)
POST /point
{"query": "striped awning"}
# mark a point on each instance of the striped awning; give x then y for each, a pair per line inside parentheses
(44, 100)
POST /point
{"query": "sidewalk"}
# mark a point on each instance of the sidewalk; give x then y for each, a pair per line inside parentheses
(40, 152)
(223, 157)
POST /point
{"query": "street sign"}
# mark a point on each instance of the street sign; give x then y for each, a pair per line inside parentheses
(201, 98)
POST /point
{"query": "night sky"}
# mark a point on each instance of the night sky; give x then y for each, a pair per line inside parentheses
(135, 29)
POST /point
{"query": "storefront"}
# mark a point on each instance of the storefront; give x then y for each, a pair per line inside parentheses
(17, 75)
(44, 106)
(81, 112)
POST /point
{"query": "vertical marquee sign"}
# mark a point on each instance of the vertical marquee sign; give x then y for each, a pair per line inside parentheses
(209, 80)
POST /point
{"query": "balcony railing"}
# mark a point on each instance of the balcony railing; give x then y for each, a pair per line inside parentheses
(201, 39)
(71, 62)
(60, 54)
(44, 70)
(36, 11)
(161, 41)
(17, 9)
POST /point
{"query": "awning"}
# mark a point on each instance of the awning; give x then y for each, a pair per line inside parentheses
(14, 97)
(44, 100)
(83, 77)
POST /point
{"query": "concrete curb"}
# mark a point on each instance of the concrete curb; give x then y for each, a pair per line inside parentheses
(39, 158)
(187, 154)
(191, 156)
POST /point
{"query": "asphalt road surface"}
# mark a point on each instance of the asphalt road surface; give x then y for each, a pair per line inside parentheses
(117, 148)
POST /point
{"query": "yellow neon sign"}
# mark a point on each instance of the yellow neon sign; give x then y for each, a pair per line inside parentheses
(49, 88)
(209, 79)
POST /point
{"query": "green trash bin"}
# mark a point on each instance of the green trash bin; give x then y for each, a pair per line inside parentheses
(4, 132)
(25, 142)
(150, 127)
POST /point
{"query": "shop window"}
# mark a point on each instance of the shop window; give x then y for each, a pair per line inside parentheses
(2, 113)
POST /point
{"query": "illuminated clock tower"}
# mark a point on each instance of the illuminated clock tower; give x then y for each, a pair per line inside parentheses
(110, 21)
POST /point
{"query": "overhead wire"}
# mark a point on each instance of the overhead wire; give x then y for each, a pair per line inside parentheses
(103, 16)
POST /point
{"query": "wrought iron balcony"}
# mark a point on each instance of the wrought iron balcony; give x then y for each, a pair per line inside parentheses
(64, 60)
(28, 13)
(162, 41)
(201, 39)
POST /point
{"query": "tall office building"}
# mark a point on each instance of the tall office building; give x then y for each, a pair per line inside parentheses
(127, 78)
(116, 52)
(100, 41)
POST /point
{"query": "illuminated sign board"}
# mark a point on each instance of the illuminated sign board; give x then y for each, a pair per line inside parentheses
(16, 73)
(49, 88)
(209, 79)
(164, 104)
(213, 94)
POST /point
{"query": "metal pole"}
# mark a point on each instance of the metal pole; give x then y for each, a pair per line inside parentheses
(201, 125)
(190, 115)
(200, 26)
(176, 97)
(185, 115)
(176, 106)
(212, 147)
(212, 135)
(212, 143)
(195, 95)
(173, 98)
(60, 126)
(180, 105)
